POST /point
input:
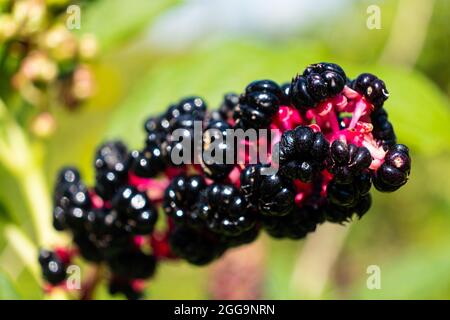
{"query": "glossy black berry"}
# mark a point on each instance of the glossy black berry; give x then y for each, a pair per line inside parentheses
(398, 157)
(363, 205)
(224, 209)
(373, 88)
(135, 209)
(111, 156)
(216, 151)
(344, 195)
(67, 186)
(276, 196)
(382, 128)
(296, 225)
(258, 104)
(53, 269)
(111, 164)
(152, 124)
(316, 86)
(303, 139)
(244, 238)
(180, 199)
(287, 146)
(149, 162)
(76, 219)
(250, 117)
(68, 175)
(299, 95)
(347, 161)
(156, 129)
(133, 264)
(267, 86)
(342, 214)
(302, 153)
(269, 194)
(285, 89)
(194, 106)
(250, 184)
(198, 247)
(395, 170)
(178, 116)
(230, 101)
(318, 82)
(322, 67)
(347, 199)
(87, 248)
(59, 218)
(101, 222)
(125, 287)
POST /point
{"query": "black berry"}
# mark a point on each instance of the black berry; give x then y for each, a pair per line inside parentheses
(53, 269)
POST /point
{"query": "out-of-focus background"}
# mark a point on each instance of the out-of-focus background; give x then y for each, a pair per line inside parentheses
(151, 53)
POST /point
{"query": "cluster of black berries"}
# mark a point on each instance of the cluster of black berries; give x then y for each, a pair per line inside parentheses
(105, 232)
(318, 82)
(208, 218)
(327, 163)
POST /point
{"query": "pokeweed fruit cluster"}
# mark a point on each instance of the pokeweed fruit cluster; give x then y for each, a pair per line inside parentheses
(331, 140)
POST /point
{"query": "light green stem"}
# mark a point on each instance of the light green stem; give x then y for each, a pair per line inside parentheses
(32, 182)
(24, 248)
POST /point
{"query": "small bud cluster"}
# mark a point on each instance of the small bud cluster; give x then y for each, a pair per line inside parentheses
(42, 58)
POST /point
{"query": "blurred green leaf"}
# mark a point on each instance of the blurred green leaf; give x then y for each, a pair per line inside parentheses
(116, 21)
(7, 289)
(421, 274)
(419, 111)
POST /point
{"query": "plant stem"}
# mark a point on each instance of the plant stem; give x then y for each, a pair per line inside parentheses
(403, 48)
(91, 283)
(34, 188)
(24, 248)
(317, 258)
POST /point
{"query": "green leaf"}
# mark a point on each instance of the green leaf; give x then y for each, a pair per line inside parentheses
(7, 289)
(116, 21)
